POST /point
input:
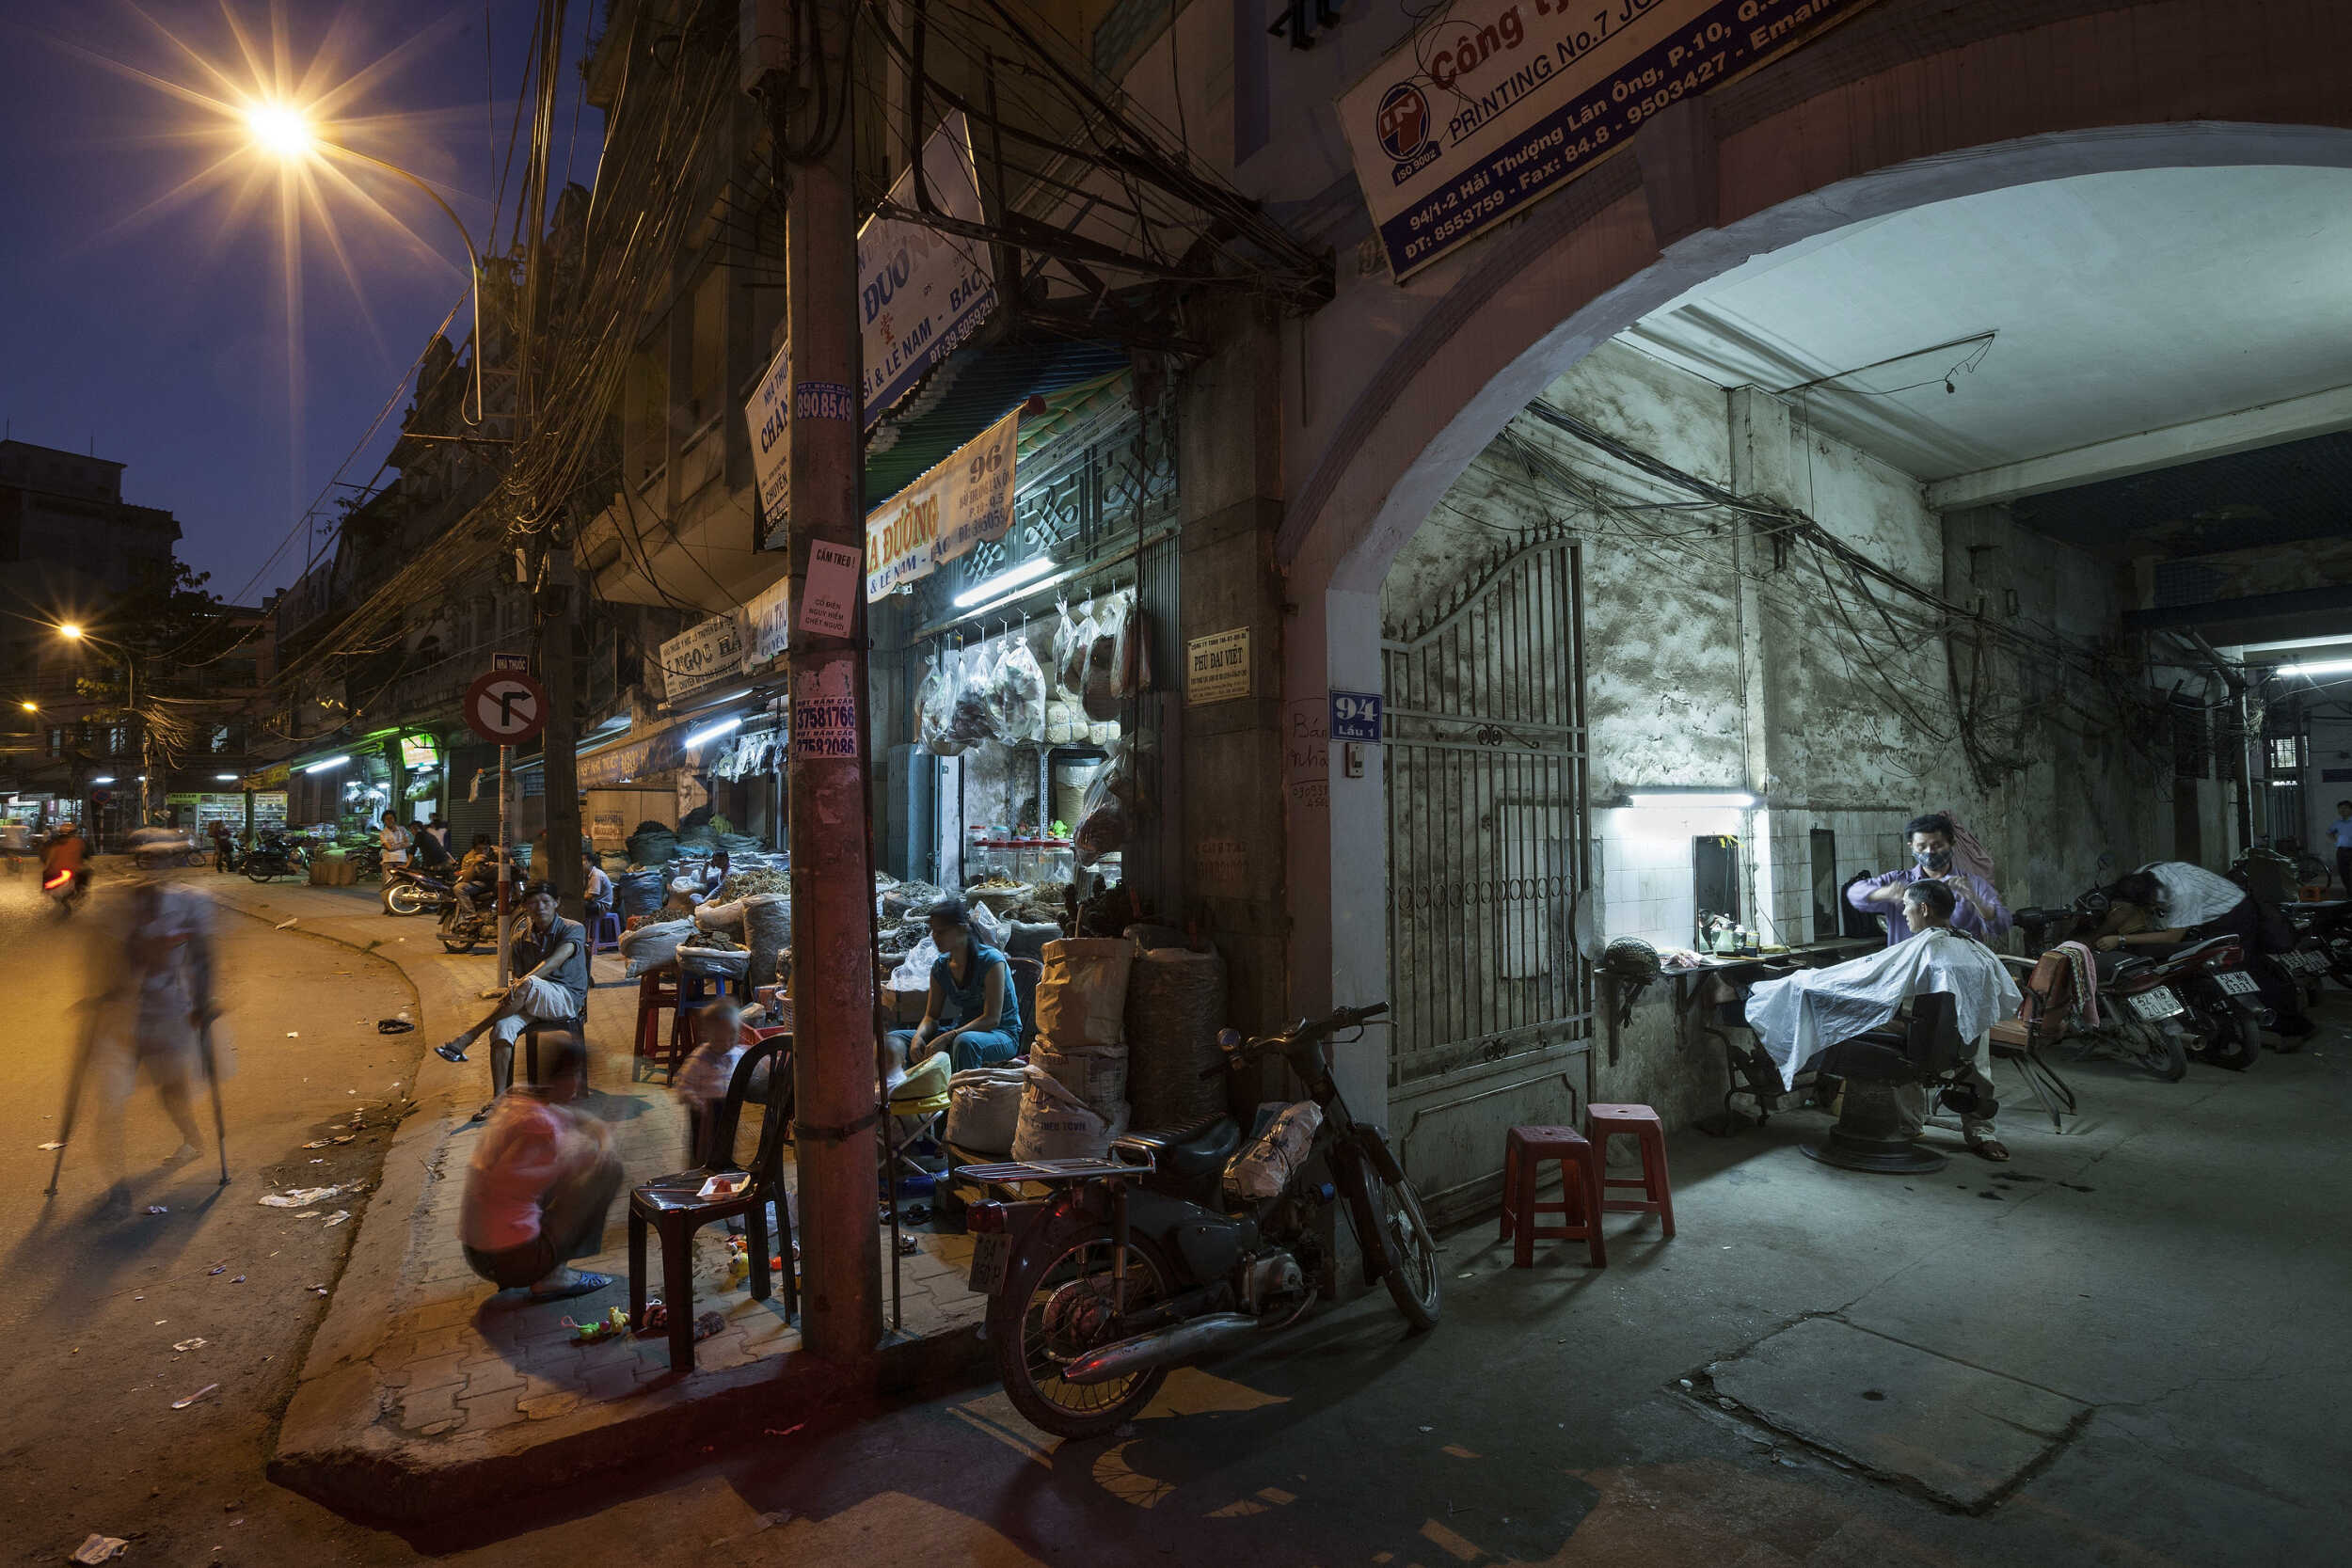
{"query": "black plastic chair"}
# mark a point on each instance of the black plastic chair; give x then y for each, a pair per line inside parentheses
(675, 1206)
(574, 1027)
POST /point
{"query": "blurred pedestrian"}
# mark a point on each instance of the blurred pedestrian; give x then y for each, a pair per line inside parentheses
(710, 1067)
(541, 1182)
(152, 1001)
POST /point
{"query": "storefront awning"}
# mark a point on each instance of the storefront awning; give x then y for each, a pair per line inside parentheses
(659, 751)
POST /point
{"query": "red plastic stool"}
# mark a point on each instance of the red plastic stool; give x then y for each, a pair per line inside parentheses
(1641, 1123)
(1523, 1153)
(656, 990)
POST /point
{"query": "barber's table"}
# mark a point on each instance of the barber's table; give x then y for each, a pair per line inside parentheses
(1752, 1074)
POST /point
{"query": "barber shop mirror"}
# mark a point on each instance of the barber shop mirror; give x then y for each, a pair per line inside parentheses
(1715, 874)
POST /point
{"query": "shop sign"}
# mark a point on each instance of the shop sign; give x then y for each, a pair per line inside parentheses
(273, 777)
(954, 506)
(1216, 667)
(1505, 102)
(921, 293)
(769, 415)
(825, 712)
(700, 654)
(420, 751)
(608, 830)
(767, 624)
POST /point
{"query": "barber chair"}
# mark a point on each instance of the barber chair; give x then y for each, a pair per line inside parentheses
(1872, 1064)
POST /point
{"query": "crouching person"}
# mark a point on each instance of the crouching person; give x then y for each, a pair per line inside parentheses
(542, 1177)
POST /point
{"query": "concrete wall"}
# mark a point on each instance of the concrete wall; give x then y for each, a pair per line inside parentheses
(1714, 662)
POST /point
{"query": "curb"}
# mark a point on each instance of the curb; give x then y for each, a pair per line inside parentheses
(334, 1443)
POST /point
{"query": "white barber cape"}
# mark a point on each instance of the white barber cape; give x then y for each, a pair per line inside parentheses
(1797, 1017)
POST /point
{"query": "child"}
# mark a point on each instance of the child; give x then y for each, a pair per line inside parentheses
(702, 1081)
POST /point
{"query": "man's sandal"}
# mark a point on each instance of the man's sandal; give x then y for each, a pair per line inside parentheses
(1988, 1147)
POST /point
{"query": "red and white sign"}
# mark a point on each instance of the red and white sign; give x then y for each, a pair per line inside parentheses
(506, 708)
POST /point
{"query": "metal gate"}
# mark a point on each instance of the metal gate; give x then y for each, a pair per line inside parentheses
(1488, 867)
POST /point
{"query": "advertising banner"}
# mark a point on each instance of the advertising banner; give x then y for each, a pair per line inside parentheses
(766, 623)
(766, 415)
(1501, 102)
(943, 514)
(922, 292)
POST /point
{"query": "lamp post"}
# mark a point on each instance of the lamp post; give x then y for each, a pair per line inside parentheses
(129, 661)
(284, 132)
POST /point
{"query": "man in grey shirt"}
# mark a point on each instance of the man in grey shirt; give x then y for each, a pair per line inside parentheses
(550, 986)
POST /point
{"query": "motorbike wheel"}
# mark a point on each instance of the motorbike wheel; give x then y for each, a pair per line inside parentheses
(404, 898)
(1063, 1275)
(456, 944)
(257, 872)
(2233, 1042)
(2166, 1056)
(1396, 1216)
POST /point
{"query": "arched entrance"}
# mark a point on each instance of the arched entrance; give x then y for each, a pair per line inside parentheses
(1925, 127)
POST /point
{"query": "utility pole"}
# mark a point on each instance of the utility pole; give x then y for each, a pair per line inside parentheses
(834, 1059)
(559, 745)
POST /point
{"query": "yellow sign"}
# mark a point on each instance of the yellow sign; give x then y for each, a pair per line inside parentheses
(1216, 667)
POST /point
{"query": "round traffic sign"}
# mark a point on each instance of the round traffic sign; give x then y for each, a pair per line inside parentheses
(506, 708)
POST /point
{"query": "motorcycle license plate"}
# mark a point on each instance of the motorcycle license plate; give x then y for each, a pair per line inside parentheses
(2306, 964)
(2157, 1004)
(2236, 982)
(990, 1253)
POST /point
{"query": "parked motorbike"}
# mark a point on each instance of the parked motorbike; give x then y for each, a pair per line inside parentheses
(463, 930)
(275, 855)
(410, 889)
(366, 860)
(2323, 944)
(2219, 1003)
(1143, 1262)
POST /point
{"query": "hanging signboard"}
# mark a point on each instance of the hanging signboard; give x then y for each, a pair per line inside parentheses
(695, 658)
(829, 597)
(1504, 101)
(940, 516)
(769, 415)
(767, 624)
(921, 293)
(1216, 667)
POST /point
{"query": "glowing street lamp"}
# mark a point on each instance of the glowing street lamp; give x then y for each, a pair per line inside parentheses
(283, 130)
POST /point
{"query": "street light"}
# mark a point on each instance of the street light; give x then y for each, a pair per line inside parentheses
(283, 130)
(75, 633)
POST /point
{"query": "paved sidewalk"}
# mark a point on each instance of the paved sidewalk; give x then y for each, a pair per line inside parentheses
(420, 1393)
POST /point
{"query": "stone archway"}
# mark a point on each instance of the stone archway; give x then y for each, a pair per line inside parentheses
(1872, 122)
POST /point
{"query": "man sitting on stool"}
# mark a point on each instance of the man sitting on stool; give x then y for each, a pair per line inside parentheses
(1797, 1017)
(551, 987)
(541, 1181)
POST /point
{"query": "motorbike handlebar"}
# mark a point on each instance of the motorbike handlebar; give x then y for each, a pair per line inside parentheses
(1238, 1049)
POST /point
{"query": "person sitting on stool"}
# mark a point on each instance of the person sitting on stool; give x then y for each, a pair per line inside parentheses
(973, 1013)
(552, 955)
(540, 1184)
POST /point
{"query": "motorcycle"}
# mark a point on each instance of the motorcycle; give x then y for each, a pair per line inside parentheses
(275, 856)
(463, 929)
(66, 888)
(2202, 987)
(411, 889)
(2323, 944)
(1143, 1262)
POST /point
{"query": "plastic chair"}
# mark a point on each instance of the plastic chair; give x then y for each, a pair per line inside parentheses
(604, 931)
(1524, 1151)
(656, 990)
(673, 1205)
(1640, 1123)
(575, 1027)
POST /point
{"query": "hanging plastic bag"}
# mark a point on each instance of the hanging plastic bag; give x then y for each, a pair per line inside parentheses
(1069, 662)
(970, 719)
(1133, 662)
(1017, 693)
(934, 702)
(1101, 689)
(1113, 806)
(1065, 634)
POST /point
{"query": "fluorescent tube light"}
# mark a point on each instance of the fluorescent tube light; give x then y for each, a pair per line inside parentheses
(2325, 667)
(104, 778)
(224, 778)
(716, 730)
(1027, 571)
(1696, 799)
(330, 762)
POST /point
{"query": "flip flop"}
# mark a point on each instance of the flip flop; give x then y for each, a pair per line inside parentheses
(584, 1284)
(453, 1052)
(1987, 1146)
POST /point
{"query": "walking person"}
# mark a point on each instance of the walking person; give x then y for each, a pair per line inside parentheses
(550, 987)
(16, 842)
(152, 1001)
(539, 1187)
(2340, 830)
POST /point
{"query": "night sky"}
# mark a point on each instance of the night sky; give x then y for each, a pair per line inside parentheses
(154, 326)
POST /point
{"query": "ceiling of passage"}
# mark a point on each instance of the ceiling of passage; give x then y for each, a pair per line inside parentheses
(2122, 302)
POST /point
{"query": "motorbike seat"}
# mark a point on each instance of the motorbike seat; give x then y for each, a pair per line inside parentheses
(1189, 1153)
(2204, 949)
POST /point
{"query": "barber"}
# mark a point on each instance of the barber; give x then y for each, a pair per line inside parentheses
(1976, 909)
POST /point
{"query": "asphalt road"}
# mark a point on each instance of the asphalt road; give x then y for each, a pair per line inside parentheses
(95, 1300)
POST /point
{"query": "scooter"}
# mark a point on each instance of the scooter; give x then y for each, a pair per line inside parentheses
(409, 890)
(2219, 1002)
(463, 930)
(1146, 1259)
(2323, 946)
(66, 888)
(276, 856)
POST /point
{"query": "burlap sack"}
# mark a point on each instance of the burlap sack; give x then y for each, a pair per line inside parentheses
(1082, 996)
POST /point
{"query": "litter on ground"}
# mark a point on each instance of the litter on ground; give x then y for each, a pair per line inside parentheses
(100, 1548)
(184, 1345)
(208, 1388)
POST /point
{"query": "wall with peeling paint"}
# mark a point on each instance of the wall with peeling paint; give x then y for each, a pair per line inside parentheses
(1715, 659)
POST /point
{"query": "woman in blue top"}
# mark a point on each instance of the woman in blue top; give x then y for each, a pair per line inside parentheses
(973, 1013)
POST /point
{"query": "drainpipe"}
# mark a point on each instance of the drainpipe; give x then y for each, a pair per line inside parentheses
(2234, 679)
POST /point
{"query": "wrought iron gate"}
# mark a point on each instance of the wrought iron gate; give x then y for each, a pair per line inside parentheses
(1489, 865)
